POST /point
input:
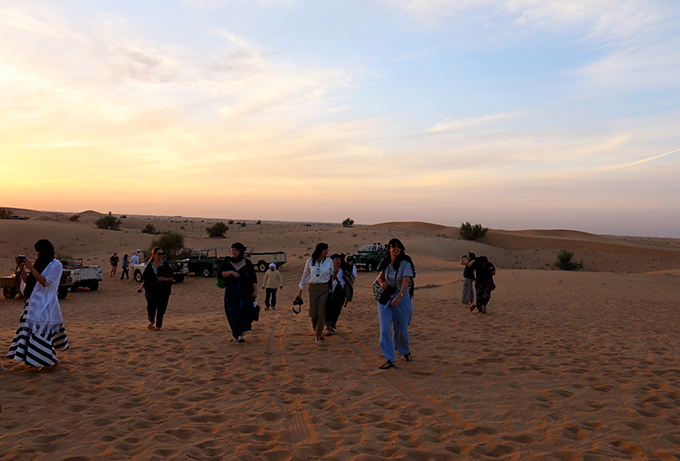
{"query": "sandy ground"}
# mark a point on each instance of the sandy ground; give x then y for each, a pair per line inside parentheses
(567, 366)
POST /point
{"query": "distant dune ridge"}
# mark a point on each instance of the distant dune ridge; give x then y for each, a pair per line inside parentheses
(567, 365)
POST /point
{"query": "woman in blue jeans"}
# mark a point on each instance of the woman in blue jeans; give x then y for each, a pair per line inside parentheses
(394, 306)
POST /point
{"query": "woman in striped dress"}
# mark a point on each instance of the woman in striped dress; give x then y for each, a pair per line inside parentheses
(41, 327)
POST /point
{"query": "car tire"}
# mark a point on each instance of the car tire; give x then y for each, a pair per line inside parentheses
(179, 278)
(62, 292)
(138, 276)
(369, 266)
(94, 286)
(262, 266)
(206, 272)
(9, 292)
(72, 288)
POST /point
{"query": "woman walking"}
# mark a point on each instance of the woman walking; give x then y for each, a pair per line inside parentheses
(41, 327)
(157, 286)
(394, 306)
(240, 291)
(315, 276)
(336, 297)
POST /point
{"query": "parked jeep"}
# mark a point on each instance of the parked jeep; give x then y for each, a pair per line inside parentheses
(367, 257)
(262, 260)
(80, 275)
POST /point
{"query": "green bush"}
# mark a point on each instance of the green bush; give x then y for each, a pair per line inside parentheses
(348, 223)
(149, 229)
(243, 224)
(108, 222)
(218, 230)
(565, 261)
(171, 243)
(470, 232)
(6, 213)
(74, 218)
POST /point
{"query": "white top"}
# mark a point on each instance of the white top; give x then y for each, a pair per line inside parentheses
(340, 279)
(134, 259)
(43, 305)
(321, 272)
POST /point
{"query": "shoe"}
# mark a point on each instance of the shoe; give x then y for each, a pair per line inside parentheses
(387, 365)
(407, 358)
(317, 341)
(150, 326)
(472, 307)
(240, 340)
(266, 308)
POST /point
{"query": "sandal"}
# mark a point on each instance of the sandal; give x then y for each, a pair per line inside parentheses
(387, 365)
(407, 358)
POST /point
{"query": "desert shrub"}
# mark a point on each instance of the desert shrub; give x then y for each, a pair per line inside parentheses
(6, 213)
(108, 222)
(472, 232)
(149, 229)
(258, 221)
(231, 221)
(348, 223)
(243, 224)
(171, 243)
(74, 218)
(565, 261)
(218, 230)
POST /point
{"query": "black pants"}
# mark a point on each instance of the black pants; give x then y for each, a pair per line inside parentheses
(271, 292)
(126, 273)
(483, 297)
(156, 306)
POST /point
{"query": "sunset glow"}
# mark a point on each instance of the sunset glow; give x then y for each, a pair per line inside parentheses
(517, 114)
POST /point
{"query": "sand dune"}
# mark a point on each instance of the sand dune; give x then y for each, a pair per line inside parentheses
(568, 365)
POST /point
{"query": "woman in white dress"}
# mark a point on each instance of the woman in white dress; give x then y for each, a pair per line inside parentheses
(41, 327)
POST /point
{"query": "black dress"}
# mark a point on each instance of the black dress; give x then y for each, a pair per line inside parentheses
(157, 292)
(238, 297)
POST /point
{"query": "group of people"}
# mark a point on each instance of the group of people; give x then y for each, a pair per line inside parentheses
(127, 262)
(477, 281)
(329, 281)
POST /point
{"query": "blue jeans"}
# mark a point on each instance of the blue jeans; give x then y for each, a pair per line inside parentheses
(400, 316)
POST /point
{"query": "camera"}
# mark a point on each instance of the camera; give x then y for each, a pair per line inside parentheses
(21, 258)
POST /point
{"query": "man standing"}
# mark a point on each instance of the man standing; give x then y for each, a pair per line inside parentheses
(114, 263)
(134, 259)
(271, 282)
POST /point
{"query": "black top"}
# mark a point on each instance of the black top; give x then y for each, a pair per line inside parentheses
(247, 276)
(483, 270)
(152, 285)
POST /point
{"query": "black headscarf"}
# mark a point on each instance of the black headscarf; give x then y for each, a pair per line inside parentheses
(238, 246)
(45, 251)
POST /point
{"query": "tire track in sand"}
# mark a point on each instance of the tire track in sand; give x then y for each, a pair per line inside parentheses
(298, 423)
(469, 433)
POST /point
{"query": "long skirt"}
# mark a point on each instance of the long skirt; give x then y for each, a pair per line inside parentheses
(37, 347)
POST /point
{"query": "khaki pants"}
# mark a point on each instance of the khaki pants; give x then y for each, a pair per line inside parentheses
(318, 296)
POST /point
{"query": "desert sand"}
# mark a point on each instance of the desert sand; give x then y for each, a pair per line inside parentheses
(567, 365)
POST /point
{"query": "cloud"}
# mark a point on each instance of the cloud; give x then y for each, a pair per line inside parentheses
(456, 125)
(603, 20)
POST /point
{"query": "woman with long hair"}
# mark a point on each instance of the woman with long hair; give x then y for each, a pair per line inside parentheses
(240, 291)
(315, 276)
(41, 327)
(157, 286)
(394, 306)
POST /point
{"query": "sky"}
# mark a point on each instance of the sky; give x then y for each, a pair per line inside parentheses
(516, 114)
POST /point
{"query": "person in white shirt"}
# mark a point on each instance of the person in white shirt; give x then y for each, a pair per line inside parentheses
(134, 259)
(271, 283)
(315, 277)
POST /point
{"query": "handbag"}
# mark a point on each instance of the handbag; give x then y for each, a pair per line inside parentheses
(221, 282)
(377, 289)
